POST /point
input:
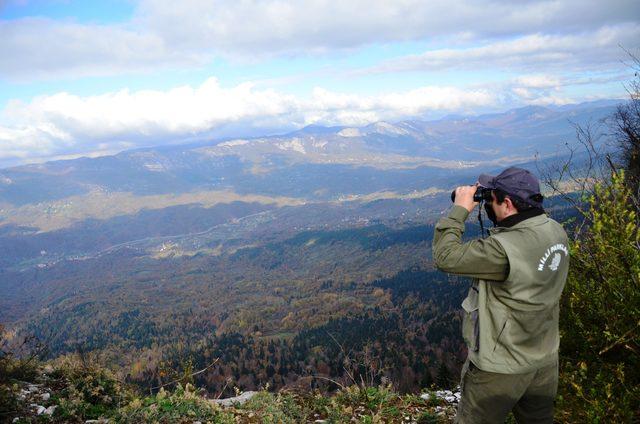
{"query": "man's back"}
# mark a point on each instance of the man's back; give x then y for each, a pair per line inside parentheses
(518, 317)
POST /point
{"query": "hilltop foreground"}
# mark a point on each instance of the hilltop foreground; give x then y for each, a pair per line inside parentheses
(72, 391)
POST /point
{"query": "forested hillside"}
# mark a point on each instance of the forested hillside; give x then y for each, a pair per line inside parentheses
(273, 313)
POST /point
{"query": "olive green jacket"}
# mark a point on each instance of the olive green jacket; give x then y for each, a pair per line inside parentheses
(511, 313)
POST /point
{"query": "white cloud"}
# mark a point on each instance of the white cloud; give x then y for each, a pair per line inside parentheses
(268, 26)
(538, 81)
(585, 51)
(64, 124)
(542, 96)
(23, 142)
(44, 49)
(552, 100)
(539, 89)
(189, 33)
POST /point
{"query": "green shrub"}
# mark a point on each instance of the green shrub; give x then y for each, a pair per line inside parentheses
(600, 320)
(428, 418)
(276, 408)
(85, 392)
(13, 369)
(183, 405)
(8, 400)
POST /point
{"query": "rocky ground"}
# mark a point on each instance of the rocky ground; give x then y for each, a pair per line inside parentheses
(59, 399)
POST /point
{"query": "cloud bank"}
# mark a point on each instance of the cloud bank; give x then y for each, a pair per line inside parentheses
(56, 125)
(591, 51)
(258, 26)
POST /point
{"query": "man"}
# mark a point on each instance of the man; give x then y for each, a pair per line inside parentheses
(510, 322)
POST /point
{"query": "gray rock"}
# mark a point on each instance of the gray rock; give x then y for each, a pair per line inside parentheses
(238, 400)
(449, 396)
(33, 387)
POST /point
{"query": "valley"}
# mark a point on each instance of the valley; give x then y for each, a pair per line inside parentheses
(288, 257)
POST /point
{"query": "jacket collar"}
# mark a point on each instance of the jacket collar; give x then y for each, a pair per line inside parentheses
(529, 217)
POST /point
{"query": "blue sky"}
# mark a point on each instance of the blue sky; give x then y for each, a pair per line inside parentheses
(86, 11)
(96, 77)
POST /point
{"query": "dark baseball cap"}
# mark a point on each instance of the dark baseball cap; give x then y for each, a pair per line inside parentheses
(515, 182)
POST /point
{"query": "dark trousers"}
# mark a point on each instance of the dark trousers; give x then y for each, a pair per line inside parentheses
(488, 397)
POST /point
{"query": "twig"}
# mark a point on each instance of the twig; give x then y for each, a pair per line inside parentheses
(224, 388)
(346, 357)
(343, 387)
(184, 376)
(620, 340)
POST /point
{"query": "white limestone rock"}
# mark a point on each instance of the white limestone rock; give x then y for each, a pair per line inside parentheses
(237, 400)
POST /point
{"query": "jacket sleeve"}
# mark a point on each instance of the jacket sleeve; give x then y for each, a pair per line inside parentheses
(482, 258)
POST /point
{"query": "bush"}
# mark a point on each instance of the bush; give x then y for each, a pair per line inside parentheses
(84, 392)
(13, 369)
(183, 405)
(600, 323)
(269, 407)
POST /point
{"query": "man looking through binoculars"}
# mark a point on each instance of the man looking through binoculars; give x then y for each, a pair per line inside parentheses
(510, 323)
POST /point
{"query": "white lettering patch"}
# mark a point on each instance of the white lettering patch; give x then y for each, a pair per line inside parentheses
(557, 258)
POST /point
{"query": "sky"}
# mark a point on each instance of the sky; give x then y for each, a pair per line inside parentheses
(88, 78)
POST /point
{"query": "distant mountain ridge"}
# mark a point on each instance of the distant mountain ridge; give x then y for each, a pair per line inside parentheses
(259, 165)
(209, 198)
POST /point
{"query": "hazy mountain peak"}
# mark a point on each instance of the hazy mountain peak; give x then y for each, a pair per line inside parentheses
(232, 143)
(350, 132)
(386, 128)
(294, 145)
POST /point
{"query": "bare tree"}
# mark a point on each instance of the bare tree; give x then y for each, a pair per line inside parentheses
(603, 148)
(625, 124)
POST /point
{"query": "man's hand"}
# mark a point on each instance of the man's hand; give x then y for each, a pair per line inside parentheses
(464, 197)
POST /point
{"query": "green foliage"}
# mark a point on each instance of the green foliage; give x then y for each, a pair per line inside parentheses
(372, 398)
(11, 370)
(8, 400)
(18, 368)
(428, 418)
(183, 405)
(275, 408)
(86, 391)
(81, 392)
(600, 379)
(381, 404)
(433, 400)
(352, 404)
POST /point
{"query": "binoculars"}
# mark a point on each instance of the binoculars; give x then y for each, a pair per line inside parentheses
(481, 194)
